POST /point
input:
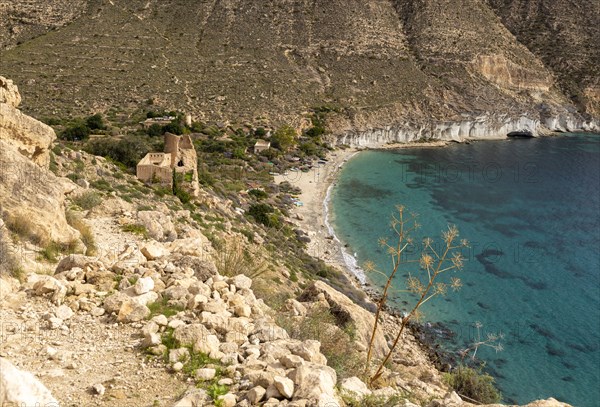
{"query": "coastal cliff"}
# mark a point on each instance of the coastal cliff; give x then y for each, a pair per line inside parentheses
(478, 128)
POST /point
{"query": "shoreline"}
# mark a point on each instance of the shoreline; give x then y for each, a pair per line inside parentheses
(314, 216)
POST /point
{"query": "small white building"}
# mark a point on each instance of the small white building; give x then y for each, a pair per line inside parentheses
(261, 145)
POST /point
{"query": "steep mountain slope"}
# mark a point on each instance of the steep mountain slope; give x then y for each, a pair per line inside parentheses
(565, 35)
(377, 62)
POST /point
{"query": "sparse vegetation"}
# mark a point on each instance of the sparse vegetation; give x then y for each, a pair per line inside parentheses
(87, 200)
(337, 343)
(234, 258)
(162, 306)
(22, 226)
(135, 229)
(9, 261)
(477, 386)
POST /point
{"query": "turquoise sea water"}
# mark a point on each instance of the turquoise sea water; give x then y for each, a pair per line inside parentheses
(531, 210)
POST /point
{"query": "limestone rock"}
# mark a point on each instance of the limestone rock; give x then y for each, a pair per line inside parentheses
(205, 374)
(256, 394)
(71, 261)
(159, 226)
(285, 386)
(49, 285)
(355, 386)
(132, 311)
(9, 93)
(32, 194)
(22, 388)
(153, 251)
(63, 312)
(313, 380)
(113, 302)
(347, 312)
(242, 281)
(143, 285)
(130, 257)
(190, 334)
(228, 400)
(29, 136)
(193, 398)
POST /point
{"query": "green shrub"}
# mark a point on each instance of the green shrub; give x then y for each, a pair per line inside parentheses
(258, 194)
(87, 200)
(95, 122)
(76, 132)
(284, 138)
(265, 214)
(474, 385)
(163, 307)
(135, 229)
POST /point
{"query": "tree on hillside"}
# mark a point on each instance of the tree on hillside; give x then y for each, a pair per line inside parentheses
(95, 122)
(284, 138)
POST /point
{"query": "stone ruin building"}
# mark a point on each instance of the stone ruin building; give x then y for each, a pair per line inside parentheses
(179, 162)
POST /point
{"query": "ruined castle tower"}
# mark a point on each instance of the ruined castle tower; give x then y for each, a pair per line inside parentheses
(178, 163)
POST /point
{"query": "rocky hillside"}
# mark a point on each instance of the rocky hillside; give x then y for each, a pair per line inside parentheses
(147, 306)
(373, 63)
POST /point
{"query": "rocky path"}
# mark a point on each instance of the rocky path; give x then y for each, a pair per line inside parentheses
(74, 357)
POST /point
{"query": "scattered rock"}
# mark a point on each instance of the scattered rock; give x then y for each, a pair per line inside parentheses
(63, 312)
(22, 388)
(355, 386)
(132, 311)
(205, 374)
(99, 389)
(143, 285)
(285, 386)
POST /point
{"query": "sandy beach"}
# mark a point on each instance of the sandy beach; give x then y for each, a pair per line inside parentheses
(310, 217)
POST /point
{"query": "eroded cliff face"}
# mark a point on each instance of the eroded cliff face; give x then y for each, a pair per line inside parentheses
(31, 137)
(485, 127)
(28, 190)
(509, 75)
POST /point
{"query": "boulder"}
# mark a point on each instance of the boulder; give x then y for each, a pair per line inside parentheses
(355, 386)
(73, 260)
(194, 397)
(113, 302)
(285, 386)
(22, 388)
(143, 285)
(33, 196)
(241, 281)
(312, 380)
(47, 285)
(63, 312)
(128, 258)
(29, 136)
(203, 270)
(153, 251)
(132, 311)
(189, 335)
(346, 313)
(205, 374)
(159, 226)
(9, 93)
(256, 394)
